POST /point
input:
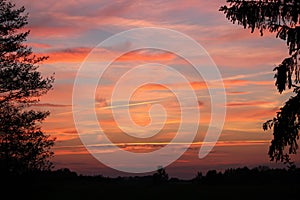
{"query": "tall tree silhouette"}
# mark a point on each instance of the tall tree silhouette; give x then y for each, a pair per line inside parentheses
(281, 17)
(23, 145)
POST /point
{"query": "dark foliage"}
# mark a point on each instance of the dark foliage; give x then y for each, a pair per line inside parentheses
(281, 17)
(286, 129)
(160, 176)
(237, 183)
(23, 145)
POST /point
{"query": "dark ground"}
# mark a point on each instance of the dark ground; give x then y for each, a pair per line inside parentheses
(241, 183)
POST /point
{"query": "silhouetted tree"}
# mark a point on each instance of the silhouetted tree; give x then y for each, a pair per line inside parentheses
(23, 146)
(281, 17)
(160, 175)
(198, 177)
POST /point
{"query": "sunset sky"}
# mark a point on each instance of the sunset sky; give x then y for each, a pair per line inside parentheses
(68, 30)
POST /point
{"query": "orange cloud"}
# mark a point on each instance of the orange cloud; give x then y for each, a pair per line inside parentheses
(39, 45)
(247, 58)
(151, 86)
(198, 85)
(52, 32)
(248, 103)
(138, 56)
(78, 54)
(50, 105)
(67, 55)
(236, 93)
(239, 82)
(239, 112)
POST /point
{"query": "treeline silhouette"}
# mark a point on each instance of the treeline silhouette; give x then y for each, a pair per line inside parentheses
(260, 175)
(233, 183)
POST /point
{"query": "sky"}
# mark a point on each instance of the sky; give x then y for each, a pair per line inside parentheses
(67, 31)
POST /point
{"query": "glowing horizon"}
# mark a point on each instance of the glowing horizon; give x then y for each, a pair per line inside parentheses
(67, 32)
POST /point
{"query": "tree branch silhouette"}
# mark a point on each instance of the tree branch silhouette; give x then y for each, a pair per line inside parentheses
(281, 17)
